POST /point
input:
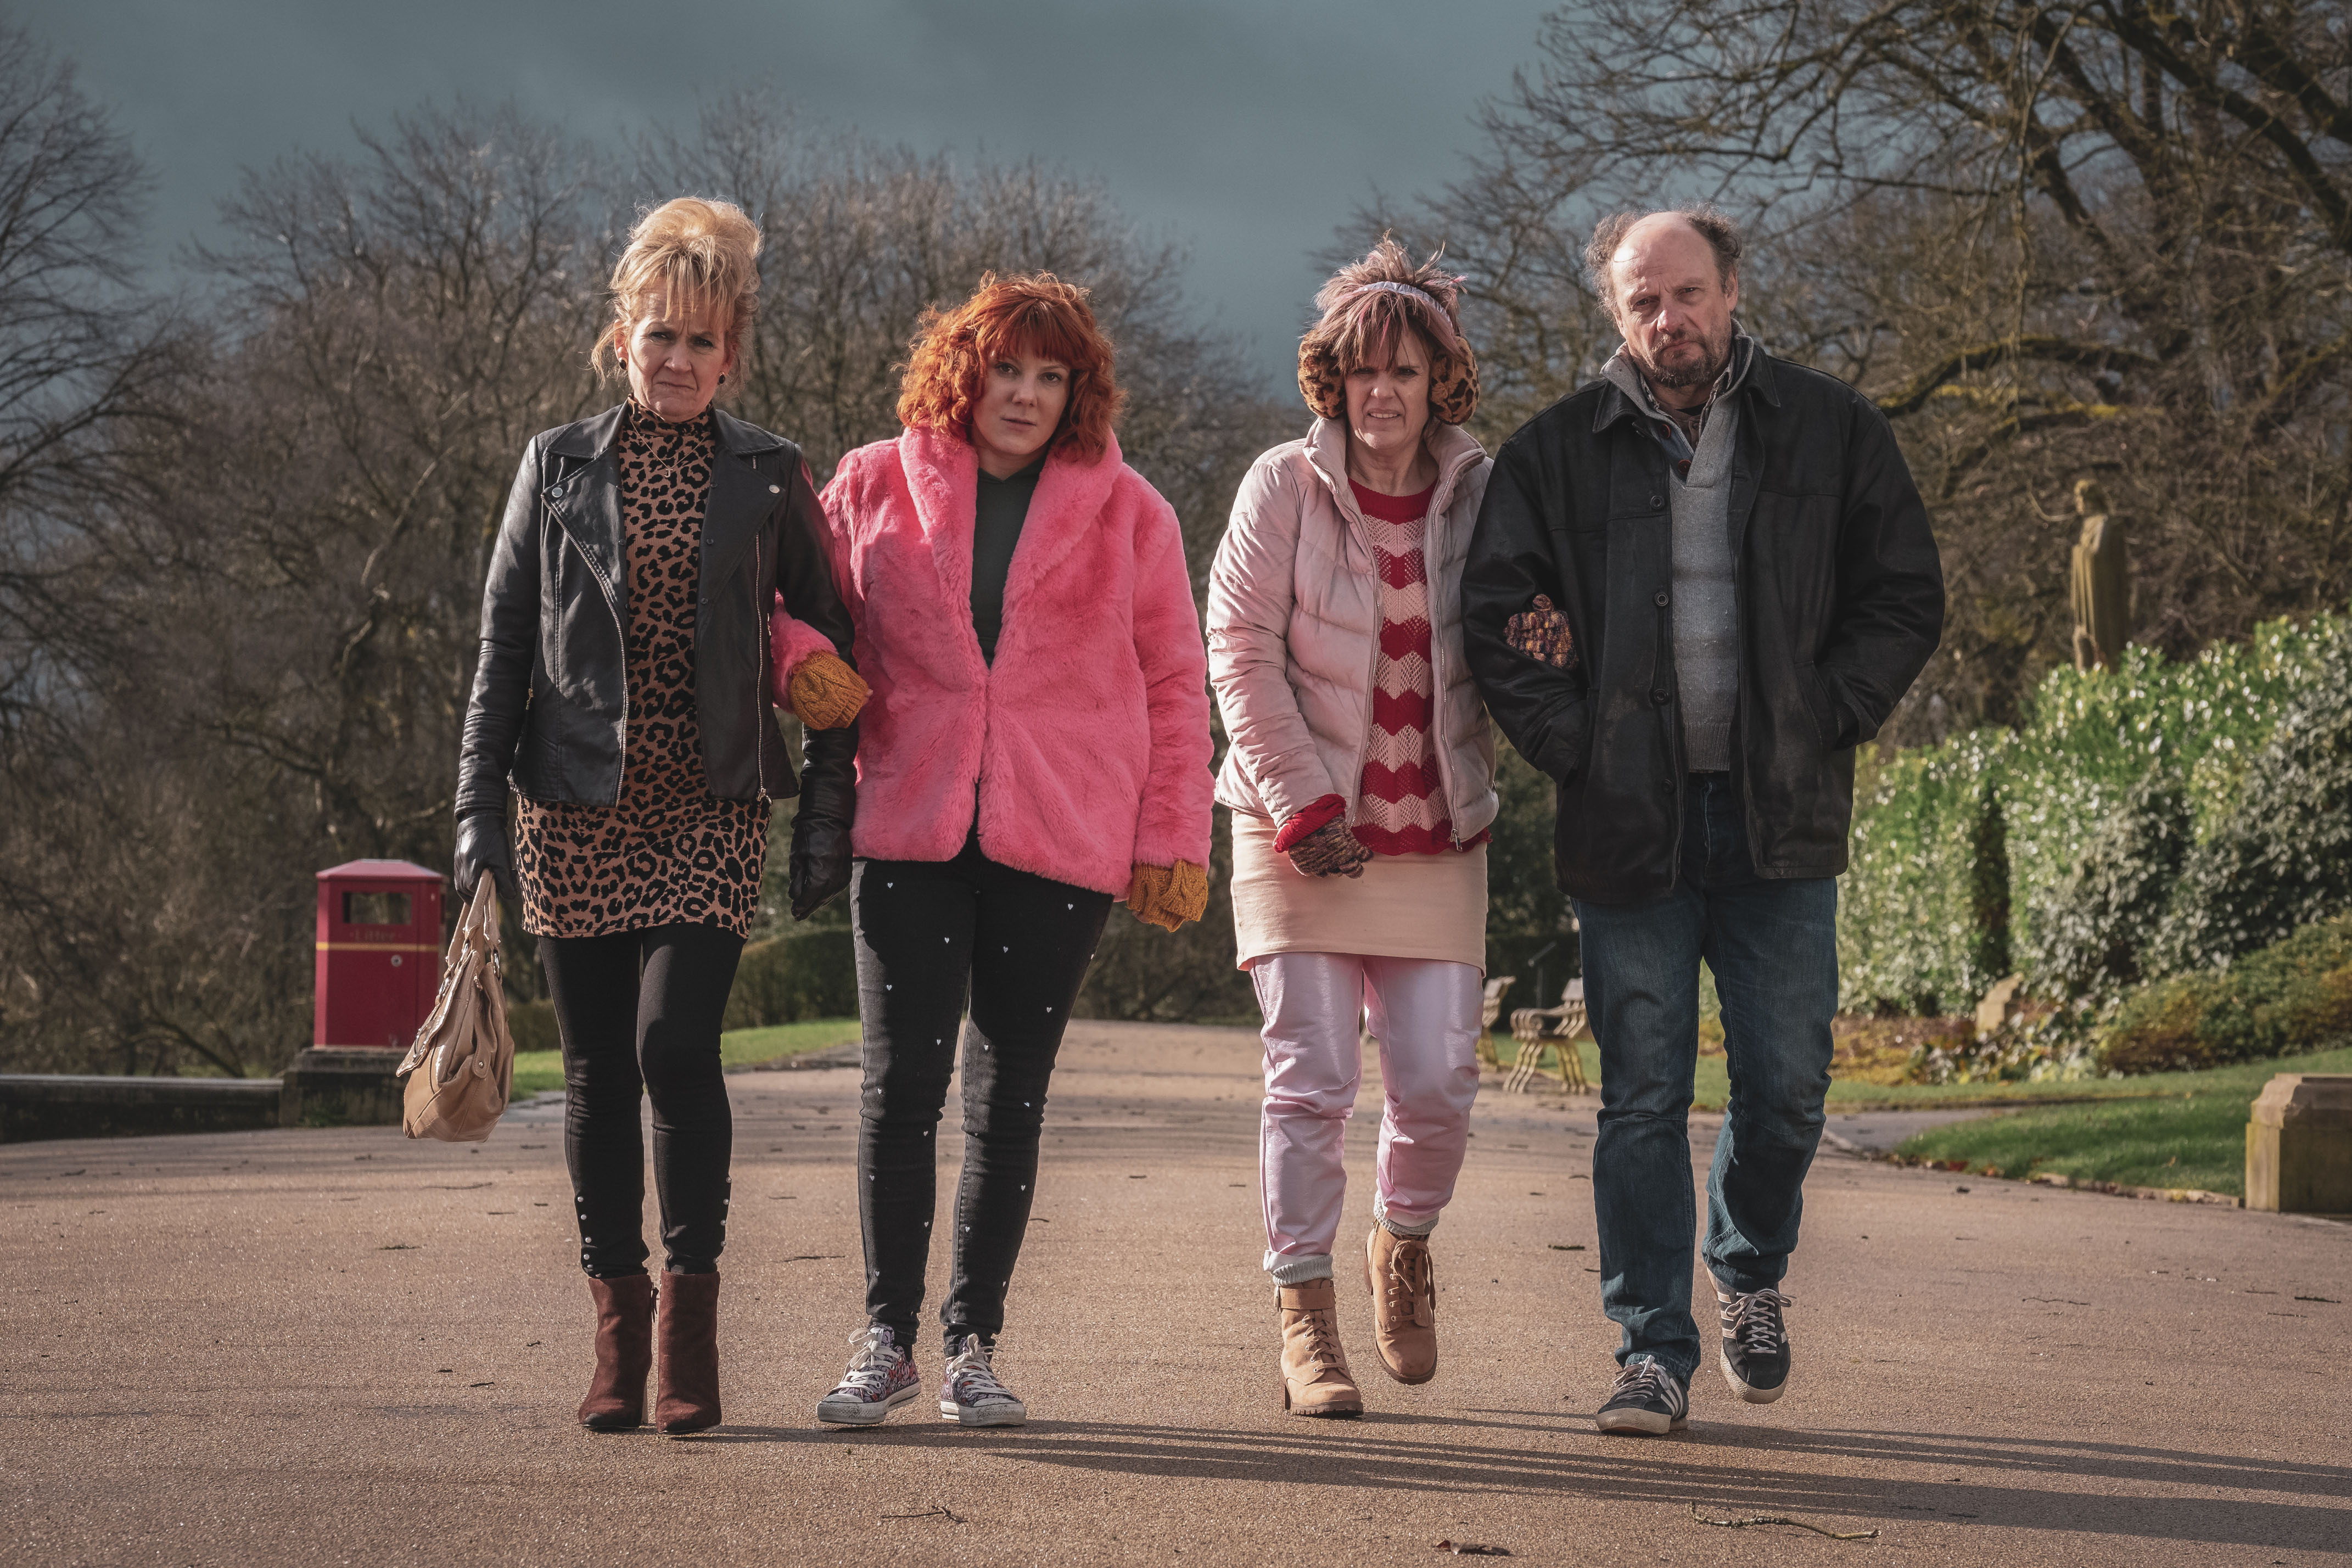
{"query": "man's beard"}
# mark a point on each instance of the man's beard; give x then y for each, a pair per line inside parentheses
(1705, 371)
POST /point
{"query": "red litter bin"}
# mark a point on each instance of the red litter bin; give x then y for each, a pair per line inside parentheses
(379, 954)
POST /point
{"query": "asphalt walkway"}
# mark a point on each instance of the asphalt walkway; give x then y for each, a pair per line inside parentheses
(330, 1346)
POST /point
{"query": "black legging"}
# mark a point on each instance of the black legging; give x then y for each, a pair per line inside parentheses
(928, 933)
(641, 1010)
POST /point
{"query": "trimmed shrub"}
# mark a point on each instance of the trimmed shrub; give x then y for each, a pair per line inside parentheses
(1923, 917)
(784, 979)
(2095, 734)
(2291, 998)
(2282, 858)
(2091, 934)
(532, 1025)
(2149, 820)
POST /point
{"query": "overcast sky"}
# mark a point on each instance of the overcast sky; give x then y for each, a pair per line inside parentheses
(1246, 128)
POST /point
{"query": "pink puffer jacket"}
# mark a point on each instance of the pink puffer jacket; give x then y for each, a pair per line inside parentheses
(1085, 747)
(1295, 626)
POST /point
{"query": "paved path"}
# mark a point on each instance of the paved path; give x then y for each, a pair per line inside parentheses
(338, 1346)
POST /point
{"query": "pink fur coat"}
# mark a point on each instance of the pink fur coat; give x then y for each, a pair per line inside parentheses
(1086, 743)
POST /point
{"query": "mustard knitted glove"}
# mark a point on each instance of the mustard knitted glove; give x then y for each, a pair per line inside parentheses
(825, 692)
(1169, 895)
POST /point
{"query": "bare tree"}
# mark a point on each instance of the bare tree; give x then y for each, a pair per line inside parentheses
(401, 328)
(863, 239)
(242, 616)
(2053, 240)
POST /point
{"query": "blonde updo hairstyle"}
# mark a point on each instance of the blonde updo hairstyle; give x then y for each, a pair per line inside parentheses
(692, 254)
(1366, 306)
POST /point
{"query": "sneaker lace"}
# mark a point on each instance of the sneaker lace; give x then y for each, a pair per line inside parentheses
(1756, 1321)
(975, 1379)
(1642, 1379)
(876, 1360)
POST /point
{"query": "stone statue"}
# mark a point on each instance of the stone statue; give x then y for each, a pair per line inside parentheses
(2100, 582)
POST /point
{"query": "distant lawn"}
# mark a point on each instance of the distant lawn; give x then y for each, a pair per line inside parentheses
(1712, 1087)
(538, 1071)
(2193, 1137)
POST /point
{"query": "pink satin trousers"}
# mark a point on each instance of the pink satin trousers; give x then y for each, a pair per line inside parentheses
(1425, 1014)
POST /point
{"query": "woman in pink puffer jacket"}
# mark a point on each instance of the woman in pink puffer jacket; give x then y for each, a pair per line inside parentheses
(1361, 782)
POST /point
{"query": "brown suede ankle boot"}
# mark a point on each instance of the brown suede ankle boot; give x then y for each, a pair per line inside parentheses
(686, 1345)
(624, 1353)
(1315, 1378)
(1403, 1283)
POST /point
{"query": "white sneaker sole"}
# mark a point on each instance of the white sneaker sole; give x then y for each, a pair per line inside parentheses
(1640, 1423)
(1012, 1413)
(1753, 1395)
(864, 1412)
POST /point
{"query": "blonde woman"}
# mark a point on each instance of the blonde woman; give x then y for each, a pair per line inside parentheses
(626, 675)
(1361, 783)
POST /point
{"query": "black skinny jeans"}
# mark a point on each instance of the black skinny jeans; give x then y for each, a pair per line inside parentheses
(639, 1012)
(930, 933)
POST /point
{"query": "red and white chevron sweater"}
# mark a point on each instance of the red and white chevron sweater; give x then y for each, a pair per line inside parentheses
(1402, 811)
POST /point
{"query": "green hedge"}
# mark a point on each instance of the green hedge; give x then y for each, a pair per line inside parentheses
(780, 980)
(1923, 919)
(2292, 996)
(2147, 821)
(784, 979)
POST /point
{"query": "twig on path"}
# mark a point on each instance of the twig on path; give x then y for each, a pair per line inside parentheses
(1781, 1518)
(949, 1514)
(1472, 1549)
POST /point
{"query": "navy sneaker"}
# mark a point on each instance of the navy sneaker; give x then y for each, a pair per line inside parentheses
(1755, 1343)
(1646, 1398)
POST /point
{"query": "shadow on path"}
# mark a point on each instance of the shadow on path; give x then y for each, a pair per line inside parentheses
(1715, 1463)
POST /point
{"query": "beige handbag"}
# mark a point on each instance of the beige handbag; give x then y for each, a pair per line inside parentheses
(460, 1071)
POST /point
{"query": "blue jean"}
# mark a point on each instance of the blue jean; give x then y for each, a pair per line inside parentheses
(1772, 945)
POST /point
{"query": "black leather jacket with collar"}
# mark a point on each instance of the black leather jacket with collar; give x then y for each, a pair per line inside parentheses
(1839, 599)
(549, 705)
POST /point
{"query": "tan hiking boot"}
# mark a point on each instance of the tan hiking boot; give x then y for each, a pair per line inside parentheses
(1315, 1378)
(1404, 1282)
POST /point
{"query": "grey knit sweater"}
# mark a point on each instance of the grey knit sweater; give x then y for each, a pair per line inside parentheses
(1706, 592)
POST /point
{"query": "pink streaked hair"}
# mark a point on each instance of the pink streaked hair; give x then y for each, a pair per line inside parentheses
(1367, 307)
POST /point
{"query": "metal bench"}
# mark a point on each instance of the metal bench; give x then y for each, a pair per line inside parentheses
(1558, 1028)
(1491, 1009)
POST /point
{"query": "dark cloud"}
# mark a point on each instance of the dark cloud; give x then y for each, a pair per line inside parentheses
(1247, 131)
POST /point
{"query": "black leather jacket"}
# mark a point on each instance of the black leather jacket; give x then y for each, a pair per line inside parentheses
(1840, 602)
(550, 692)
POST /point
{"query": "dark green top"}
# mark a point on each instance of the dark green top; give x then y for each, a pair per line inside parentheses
(995, 529)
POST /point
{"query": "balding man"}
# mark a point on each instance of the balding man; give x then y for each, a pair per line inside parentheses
(1695, 587)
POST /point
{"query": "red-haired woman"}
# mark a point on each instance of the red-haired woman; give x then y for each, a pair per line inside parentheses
(1361, 781)
(660, 580)
(1036, 744)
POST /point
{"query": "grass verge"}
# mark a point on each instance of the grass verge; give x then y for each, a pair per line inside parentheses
(1711, 1085)
(2194, 1135)
(738, 1049)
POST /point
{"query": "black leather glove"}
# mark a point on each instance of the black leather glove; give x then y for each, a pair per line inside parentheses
(820, 867)
(482, 847)
(820, 821)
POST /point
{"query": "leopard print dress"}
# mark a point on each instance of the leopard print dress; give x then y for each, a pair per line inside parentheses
(670, 853)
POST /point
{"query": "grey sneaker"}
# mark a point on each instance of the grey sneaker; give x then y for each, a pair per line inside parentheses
(1754, 1355)
(1646, 1398)
(881, 1377)
(971, 1394)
